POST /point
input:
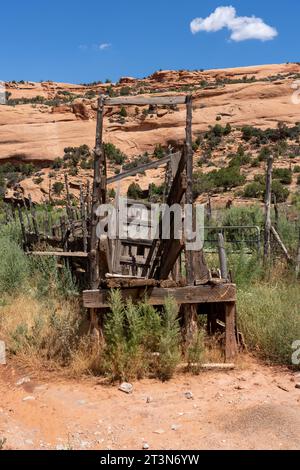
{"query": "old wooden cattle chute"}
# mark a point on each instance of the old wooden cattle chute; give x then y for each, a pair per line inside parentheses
(152, 267)
(156, 268)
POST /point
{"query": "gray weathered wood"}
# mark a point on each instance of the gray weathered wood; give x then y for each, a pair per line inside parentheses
(267, 231)
(145, 100)
(230, 332)
(99, 196)
(157, 295)
(222, 256)
(281, 244)
(63, 254)
(139, 169)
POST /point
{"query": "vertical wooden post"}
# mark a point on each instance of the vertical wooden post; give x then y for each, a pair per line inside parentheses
(22, 225)
(276, 210)
(190, 329)
(267, 232)
(230, 338)
(83, 219)
(69, 205)
(209, 210)
(99, 195)
(33, 215)
(189, 173)
(298, 258)
(222, 256)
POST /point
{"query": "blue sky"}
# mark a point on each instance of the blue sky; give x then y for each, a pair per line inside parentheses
(60, 40)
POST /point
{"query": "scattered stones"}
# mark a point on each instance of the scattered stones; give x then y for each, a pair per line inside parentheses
(81, 402)
(297, 385)
(23, 380)
(146, 446)
(239, 387)
(189, 395)
(29, 398)
(28, 442)
(174, 427)
(126, 387)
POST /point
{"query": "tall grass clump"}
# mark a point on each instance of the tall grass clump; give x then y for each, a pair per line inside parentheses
(139, 340)
(14, 267)
(269, 318)
(169, 347)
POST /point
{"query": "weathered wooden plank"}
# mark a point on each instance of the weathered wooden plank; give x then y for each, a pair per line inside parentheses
(99, 196)
(222, 256)
(281, 244)
(268, 196)
(172, 250)
(157, 295)
(63, 254)
(145, 100)
(139, 169)
(230, 338)
(123, 283)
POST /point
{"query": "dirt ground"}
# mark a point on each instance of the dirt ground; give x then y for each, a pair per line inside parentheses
(252, 407)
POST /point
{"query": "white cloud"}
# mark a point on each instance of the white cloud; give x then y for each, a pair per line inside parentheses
(83, 47)
(103, 46)
(242, 27)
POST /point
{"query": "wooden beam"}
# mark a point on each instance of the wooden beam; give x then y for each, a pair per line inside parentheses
(281, 244)
(267, 231)
(63, 254)
(139, 169)
(145, 100)
(230, 338)
(157, 295)
(99, 196)
(189, 191)
(222, 256)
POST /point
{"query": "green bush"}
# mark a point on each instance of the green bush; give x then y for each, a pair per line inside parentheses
(169, 350)
(296, 169)
(284, 175)
(14, 267)
(123, 112)
(254, 190)
(58, 187)
(134, 191)
(269, 319)
(114, 154)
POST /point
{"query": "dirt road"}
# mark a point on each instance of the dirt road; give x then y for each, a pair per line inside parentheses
(253, 407)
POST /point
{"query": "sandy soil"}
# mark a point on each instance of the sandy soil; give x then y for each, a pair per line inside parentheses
(253, 407)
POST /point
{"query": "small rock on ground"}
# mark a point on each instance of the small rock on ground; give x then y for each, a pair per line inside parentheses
(126, 387)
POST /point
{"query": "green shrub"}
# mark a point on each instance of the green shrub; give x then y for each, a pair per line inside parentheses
(159, 151)
(254, 190)
(169, 350)
(296, 169)
(280, 191)
(14, 267)
(284, 175)
(269, 319)
(123, 112)
(114, 154)
(134, 191)
(58, 187)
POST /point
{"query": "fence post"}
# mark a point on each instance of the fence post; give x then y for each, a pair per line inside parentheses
(267, 232)
(222, 256)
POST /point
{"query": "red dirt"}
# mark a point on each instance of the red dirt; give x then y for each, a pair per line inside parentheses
(253, 407)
